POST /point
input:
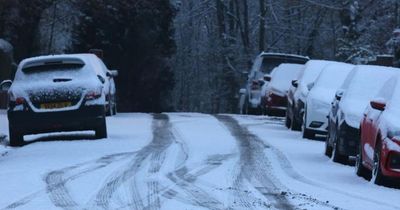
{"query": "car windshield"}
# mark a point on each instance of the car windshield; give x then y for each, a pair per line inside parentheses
(269, 63)
(368, 81)
(333, 76)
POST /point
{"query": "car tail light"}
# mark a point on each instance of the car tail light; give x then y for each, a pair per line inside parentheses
(19, 101)
(91, 95)
(16, 100)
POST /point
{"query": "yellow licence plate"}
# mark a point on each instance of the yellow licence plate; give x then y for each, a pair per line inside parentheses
(55, 105)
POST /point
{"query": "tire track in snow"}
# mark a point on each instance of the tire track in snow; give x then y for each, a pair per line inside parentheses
(162, 139)
(291, 172)
(254, 165)
(56, 180)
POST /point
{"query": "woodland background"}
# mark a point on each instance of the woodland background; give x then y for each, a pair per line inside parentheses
(192, 55)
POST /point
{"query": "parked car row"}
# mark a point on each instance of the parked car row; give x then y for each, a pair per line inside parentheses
(60, 93)
(354, 106)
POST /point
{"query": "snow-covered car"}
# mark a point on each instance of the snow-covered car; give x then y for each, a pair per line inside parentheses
(4, 87)
(320, 97)
(298, 92)
(379, 148)
(263, 64)
(108, 85)
(54, 94)
(362, 84)
(276, 91)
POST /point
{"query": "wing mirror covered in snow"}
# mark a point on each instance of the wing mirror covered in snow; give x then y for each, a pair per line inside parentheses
(378, 105)
(295, 83)
(339, 95)
(112, 73)
(242, 91)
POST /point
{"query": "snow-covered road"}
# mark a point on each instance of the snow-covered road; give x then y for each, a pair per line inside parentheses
(182, 161)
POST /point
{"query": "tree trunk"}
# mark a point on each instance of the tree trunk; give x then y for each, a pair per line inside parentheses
(262, 26)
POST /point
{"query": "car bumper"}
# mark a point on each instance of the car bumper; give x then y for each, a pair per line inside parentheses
(317, 122)
(85, 118)
(349, 140)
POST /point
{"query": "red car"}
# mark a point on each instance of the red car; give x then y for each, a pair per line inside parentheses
(378, 157)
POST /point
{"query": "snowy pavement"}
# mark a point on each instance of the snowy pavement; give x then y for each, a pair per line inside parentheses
(182, 161)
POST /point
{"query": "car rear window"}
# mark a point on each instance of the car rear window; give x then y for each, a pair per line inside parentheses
(52, 67)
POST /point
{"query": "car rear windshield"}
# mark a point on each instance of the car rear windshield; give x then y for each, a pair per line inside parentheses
(269, 63)
(52, 68)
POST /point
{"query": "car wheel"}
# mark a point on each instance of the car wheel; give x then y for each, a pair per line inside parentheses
(336, 156)
(16, 138)
(101, 130)
(287, 121)
(360, 169)
(115, 109)
(295, 126)
(377, 176)
(328, 148)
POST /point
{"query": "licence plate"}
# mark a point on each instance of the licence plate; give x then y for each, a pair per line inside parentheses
(55, 105)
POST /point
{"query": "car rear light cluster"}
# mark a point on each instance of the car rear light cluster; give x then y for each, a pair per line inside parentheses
(17, 100)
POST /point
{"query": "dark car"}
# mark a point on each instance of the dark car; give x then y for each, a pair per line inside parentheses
(263, 64)
(379, 151)
(55, 94)
(362, 84)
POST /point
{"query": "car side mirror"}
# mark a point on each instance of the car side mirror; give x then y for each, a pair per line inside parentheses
(295, 83)
(5, 85)
(267, 78)
(378, 105)
(339, 95)
(242, 91)
(310, 86)
(112, 73)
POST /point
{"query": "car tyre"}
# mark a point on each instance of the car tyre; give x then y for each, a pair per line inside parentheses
(328, 148)
(336, 156)
(295, 126)
(377, 177)
(360, 169)
(16, 138)
(101, 130)
(115, 109)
